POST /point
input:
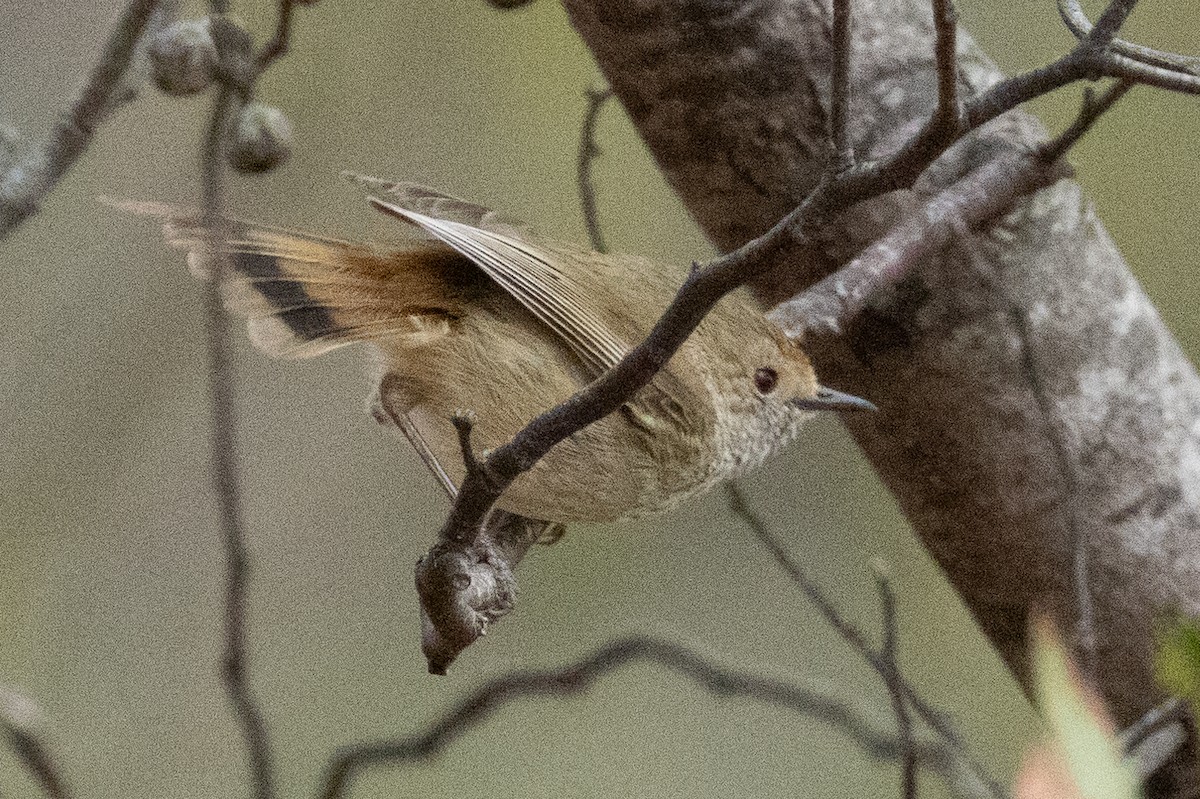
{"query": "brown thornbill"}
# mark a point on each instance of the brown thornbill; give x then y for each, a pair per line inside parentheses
(473, 312)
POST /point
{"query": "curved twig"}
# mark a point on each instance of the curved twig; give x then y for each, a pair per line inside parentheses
(1092, 109)
(277, 47)
(226, 475)
(574, 678)
(889, 655)
(840, 88)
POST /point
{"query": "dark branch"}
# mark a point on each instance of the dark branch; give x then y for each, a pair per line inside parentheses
(979, 197)
(1091, 59)
(239, 72)
(24, 184)
(1091, 111)
(948, 115)
(1110, 22)
(840, 88)
(577, 677)
(588, 152)
(464, 423)
(944, 126)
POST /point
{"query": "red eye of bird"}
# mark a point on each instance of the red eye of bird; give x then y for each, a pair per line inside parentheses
(765, 379)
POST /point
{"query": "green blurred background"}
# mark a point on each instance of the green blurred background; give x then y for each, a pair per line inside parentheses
(110, 568)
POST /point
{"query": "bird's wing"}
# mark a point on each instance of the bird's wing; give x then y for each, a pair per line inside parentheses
(529, 275)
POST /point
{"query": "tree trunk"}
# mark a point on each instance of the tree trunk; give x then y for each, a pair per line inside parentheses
(1037, 418)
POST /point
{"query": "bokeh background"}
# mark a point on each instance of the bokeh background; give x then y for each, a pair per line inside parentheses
(110, 567)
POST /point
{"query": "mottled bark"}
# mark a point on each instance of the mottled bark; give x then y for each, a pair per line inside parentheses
(1030, 395)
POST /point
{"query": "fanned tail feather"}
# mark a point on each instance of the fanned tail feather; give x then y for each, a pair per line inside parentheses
(304, 294)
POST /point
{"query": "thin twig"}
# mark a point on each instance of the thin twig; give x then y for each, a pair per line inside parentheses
(1079, 25)
(1091, 59)
(945, 125)
(1111, 20)
(984, 194)
(464, 423)
(948, 114)
(225, 473)
(840, 88)
(577, 677)
(588, 152)
(235, 87)
(277, 47)
(889, 652)
(31, 178)
(37, 761)
(1091, 110)
(1086, 635)
(852, 636)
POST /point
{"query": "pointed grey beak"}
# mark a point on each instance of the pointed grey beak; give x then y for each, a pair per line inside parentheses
(828, 399)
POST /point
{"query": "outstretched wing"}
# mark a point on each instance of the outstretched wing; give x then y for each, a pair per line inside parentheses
(530, 274)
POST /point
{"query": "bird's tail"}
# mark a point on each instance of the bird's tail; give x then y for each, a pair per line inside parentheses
(305, 294)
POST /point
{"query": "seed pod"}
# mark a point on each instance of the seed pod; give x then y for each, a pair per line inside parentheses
(263, 139)
(183, 57)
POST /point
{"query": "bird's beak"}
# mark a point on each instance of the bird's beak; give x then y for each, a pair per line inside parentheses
(826, 399)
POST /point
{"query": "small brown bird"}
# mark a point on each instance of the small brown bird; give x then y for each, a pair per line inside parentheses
(473, 312)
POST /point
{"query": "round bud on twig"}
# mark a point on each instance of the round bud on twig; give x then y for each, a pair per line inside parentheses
(262, 140)
(183, 57)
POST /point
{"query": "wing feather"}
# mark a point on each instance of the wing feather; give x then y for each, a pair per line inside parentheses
(528, 275)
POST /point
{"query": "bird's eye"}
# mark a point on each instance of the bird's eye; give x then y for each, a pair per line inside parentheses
(765, 379)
